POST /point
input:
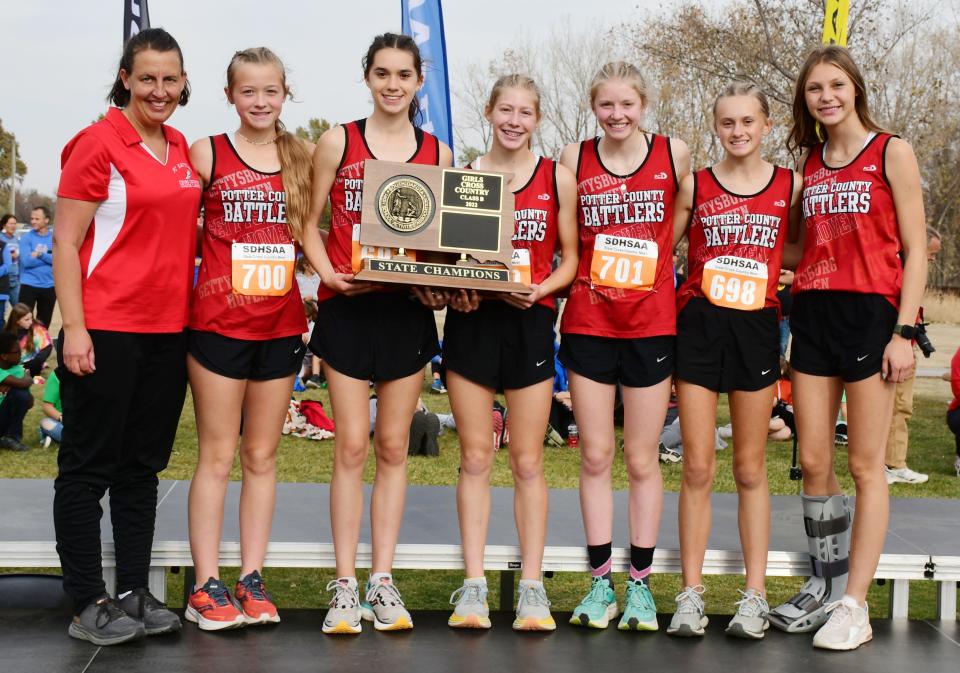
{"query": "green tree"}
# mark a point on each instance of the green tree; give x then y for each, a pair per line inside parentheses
(7, 142)
(313, 130)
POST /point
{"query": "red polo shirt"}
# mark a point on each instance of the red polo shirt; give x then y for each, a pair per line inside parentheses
(138, 255)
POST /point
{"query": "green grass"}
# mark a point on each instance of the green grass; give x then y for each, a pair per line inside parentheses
(302, 460)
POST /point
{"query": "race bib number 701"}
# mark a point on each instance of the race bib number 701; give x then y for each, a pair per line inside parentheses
(735, 282)
(625, 263)
(262, 269)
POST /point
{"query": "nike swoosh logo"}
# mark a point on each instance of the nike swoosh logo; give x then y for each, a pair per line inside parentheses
(541, 363)
(765, 372)
(863, 357)
(662, 359)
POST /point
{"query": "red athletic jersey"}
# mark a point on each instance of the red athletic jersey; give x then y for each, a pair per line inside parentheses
(623, 293)
(852, 240)
(243, 205)
(736, 242)
(136, 261)
(346, 195)
(535, 209)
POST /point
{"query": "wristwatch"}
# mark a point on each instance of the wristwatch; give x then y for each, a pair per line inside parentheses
(906, 331)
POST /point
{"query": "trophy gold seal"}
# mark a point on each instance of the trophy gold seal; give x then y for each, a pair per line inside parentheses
(405, 204)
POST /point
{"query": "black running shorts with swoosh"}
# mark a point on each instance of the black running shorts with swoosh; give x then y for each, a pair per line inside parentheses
(637, 363)
(840, 333)
(725, 349)
(500, 346)
(246, 358)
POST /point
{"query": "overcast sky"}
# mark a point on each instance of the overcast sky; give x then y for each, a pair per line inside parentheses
(60, 56)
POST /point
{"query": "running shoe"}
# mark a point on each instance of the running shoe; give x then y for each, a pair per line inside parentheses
(689, 620)
(384, 607)
(598, 607)
(668, 455)
(212, 608)
(848, 627)
(840, 435)
(471, 610)
(256, 603)
(103, 623)
(438, 387)
(149, 611)
(751, 618)
(533, 608)
(956, 466)
(639, 610)
(344, 613)
(904, 475)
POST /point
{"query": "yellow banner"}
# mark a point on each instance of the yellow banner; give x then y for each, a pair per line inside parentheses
(835, 17)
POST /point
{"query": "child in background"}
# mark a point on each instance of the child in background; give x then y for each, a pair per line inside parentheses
(15, 397)
(35, 342)
(51, 425)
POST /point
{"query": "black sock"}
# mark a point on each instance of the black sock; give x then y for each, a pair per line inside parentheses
(600, 555)
(641, 558)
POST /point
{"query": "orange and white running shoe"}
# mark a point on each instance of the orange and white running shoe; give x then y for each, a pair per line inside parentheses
(255, 601)
(212, 608)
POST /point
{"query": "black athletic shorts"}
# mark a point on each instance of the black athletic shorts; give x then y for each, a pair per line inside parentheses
(500, 346)
(378, 336)
(247, 359)
(840, 333)
(638, 363)
(724, 349)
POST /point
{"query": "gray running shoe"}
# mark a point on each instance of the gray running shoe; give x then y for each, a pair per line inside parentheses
(344, 613)
(144, 607)
(751, 618)
(386, 609)
(103, 623)
(533, 609)
(471, 610)
(689, 621)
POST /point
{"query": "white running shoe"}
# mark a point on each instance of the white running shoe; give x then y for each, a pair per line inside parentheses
(848, 627)
(904, 475)
(751, 618)
(689, 620)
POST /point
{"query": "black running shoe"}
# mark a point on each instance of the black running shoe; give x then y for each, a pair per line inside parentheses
(103, 623)
(13, 444)
(144, 607)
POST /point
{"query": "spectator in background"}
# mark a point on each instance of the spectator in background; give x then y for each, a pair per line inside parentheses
(35, 342)
(10, 246)
(898, 441)
(51, 425)
(786, 302)
(36, 275)
(953, 411)
(15, 397)
(308, 280)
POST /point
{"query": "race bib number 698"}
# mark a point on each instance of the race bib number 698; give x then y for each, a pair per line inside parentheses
(735, 282)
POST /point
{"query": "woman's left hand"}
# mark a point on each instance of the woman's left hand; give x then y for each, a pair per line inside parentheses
(430, 297)
(898, 360)
(524, 301)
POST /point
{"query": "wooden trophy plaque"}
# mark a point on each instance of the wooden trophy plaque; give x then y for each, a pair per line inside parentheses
(409, 210)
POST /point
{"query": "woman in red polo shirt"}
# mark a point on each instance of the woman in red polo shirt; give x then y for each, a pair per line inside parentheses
(123, 264)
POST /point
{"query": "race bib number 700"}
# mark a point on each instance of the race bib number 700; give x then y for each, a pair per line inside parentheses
(262, 269)
(621, 262)
(735, 282)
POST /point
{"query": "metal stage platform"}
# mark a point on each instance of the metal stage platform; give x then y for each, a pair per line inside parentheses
(35, 641)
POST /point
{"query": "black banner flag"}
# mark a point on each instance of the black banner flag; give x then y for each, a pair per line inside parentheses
(136, 17)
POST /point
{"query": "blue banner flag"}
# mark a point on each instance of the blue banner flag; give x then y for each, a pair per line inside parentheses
(423, 21)
(136, 17)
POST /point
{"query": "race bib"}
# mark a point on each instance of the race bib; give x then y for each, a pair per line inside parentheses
(626, 263)
(520, 263)
(362, 252)
(262, 269)
(735, 282)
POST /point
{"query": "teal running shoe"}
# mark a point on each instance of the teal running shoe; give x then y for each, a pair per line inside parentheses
(639, 610)
(598, 607)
